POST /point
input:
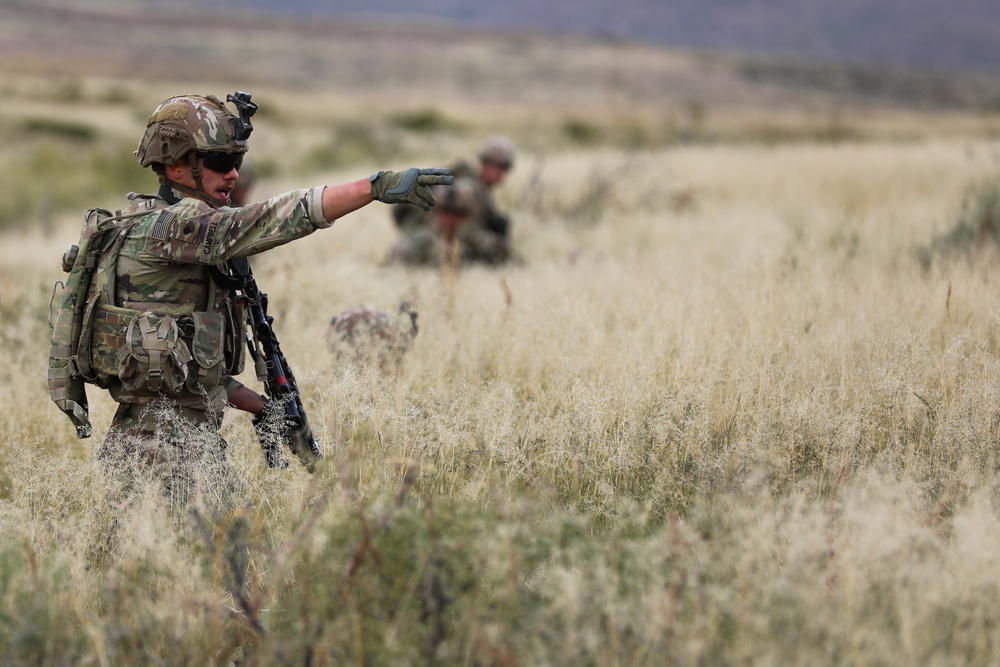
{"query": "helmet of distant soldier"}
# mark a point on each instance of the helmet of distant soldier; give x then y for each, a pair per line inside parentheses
(188, 123)
(369, 335)
(499, 151)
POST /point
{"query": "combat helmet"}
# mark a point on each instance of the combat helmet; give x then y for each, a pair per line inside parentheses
(369, 335)
(189, 125)
(498, 150)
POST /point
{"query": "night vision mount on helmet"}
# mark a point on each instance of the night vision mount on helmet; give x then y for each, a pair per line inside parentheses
(242, 127)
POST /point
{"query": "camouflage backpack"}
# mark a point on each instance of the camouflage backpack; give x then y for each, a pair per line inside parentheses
(90, 265)
(369, 335)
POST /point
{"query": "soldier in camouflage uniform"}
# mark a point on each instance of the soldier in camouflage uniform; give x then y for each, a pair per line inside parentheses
(485, 234)
(168, 339)
(450, 236)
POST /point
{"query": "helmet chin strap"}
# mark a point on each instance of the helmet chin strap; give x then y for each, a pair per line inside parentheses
(197, 192)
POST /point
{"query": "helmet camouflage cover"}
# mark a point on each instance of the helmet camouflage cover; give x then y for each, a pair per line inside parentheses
(370, 335)
(498, 150)
(188, 123)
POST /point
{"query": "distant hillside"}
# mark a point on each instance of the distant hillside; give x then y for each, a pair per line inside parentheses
(434, 62)
(954, 35)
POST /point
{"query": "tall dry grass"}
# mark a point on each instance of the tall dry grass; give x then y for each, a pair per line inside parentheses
(722, 414)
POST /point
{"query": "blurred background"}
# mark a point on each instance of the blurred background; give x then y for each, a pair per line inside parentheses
(921, 33)
(350, 85)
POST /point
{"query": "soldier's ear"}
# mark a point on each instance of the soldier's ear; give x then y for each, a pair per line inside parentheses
(173, 169)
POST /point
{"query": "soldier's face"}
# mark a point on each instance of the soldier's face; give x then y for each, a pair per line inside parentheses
(217, 184)
(492, 173)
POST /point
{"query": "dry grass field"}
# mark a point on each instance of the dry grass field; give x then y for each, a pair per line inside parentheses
(740, 404)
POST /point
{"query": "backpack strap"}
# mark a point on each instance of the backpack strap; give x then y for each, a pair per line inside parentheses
(68, 391)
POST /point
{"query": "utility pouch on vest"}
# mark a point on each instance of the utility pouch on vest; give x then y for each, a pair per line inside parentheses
(207, 348)
(155, 358)
(106, 333)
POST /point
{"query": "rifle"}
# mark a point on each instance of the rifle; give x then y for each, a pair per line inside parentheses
(273, 370)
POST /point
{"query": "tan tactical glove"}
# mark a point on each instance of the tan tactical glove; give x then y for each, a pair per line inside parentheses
(412, 186)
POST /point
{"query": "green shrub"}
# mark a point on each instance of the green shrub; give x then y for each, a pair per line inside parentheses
(352, 143)
(581, 132)
(117, 95)
(425, 120)
(67, 90)
(976, 225)
(60, 128)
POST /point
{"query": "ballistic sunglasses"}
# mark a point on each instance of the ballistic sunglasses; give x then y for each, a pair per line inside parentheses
(221, 162)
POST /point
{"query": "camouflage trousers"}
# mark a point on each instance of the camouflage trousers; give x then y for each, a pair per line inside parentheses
(175, 448)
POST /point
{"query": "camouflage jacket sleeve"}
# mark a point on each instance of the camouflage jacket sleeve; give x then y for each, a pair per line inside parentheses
(194, 232)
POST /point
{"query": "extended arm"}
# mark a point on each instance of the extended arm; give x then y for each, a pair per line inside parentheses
(411, 186)
(339, 200)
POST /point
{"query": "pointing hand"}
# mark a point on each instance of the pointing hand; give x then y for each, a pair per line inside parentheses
(412, 186)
